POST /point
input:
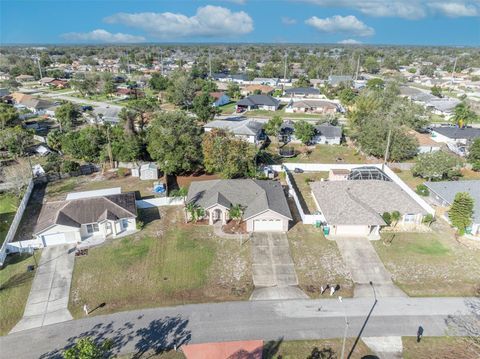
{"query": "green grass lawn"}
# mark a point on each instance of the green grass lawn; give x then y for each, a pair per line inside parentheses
(439, 347)
(431, 264)
(327, 348)
(317, 261)
(303, 180)
(8, 208)
(15, 283)
(413, 181)
(227, 109)
(167, 263)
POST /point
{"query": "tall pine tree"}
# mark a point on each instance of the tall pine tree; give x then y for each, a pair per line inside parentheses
(461, 212)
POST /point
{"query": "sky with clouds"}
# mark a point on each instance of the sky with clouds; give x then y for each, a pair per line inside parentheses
(416, 22)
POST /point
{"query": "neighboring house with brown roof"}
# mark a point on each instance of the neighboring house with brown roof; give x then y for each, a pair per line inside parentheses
(425, 142)
(75, 220)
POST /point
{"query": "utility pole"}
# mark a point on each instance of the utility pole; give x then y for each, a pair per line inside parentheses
(387, 149)
(209, 64)
(109, 147)
(358, 67)
(38, 63)
(453, 71)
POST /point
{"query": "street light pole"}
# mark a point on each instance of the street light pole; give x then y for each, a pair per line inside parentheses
(346, 328)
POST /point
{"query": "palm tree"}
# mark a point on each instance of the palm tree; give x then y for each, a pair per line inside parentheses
(463, 114)
(196, 212)
(395, 216)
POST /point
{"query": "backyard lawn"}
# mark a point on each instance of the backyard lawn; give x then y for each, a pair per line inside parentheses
(317, 261)
(431, 264)
(303, 180)
(8, 208)
(227, 109)
(15, 283)
(167, 263)
(413, 181)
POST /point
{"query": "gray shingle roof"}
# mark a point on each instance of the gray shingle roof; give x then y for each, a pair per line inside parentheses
(254, 100)
(448, 189)
(361, 202)
(240, 126)
(253, 195)
(76, 212)
(302, 90)
(458, 133)
(328, 130)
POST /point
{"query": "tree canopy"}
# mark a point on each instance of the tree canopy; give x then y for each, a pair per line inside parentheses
(435, 165)
(227, 155)
(174, 141)
(304, 131)
(66, 115)
(461, 211)
(202, 107)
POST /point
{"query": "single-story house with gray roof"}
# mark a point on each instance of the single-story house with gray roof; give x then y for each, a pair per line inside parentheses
(75, 220)
(355, 207)
(455, 135)
(265, 208)
(302, 92)
(249, 130)
(443, 193)
(325, 133)
(258, 102)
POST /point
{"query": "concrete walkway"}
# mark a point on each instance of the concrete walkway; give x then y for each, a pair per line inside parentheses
(365, 266)
(48, 299)
(385, 347)
(274, 274)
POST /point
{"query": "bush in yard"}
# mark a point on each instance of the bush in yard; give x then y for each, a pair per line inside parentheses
(435, 165)
(428, 219)
(387, 218)
(422, 190)
(140, 225)
(122, 172)
(461, 212)
(476, 166)
(86, 348)
(69, 166)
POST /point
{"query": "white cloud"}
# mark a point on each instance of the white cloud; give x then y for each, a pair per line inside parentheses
(238, 2)
(407, 9)
(101, 35)
(288, 20)
(454, 9)
(350, 42)
(209, 21)
(341, 24)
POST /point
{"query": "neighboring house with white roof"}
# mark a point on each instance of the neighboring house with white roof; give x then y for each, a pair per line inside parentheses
(302, 92)
(325, 133)
(355, 207)
(269, 81)
(249, 130)
(443, 194)
(264, 205)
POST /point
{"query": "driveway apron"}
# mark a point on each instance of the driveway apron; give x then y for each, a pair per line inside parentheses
(48, 299)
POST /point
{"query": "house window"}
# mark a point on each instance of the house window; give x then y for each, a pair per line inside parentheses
(124, 223)
(409, 218)
(92, 228)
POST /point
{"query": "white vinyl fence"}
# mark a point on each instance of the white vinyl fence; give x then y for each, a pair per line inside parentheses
(15, 223)
(158, 202)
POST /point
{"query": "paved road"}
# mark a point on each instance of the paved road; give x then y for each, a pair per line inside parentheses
(364, 264)
(137, 331)
(274, 273)
(48, 299)
(83, 101)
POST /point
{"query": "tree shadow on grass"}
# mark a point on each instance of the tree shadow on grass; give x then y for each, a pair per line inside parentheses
(158, 336)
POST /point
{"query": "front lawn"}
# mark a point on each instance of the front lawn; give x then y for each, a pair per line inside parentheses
(318, 261)
(431, 264)
(15, 284)
(8, 208)
(227, 109)
(438, 347)
(167, 263)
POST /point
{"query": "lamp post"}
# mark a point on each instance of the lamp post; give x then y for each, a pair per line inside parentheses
(346, 328)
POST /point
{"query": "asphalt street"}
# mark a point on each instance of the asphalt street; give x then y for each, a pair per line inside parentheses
(159, 328)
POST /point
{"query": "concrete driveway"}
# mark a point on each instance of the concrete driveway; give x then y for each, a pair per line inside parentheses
(364, 264)
(48, 299)
(274, 274)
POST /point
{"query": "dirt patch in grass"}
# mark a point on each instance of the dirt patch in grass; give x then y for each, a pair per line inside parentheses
(167, 263)
(15, 284)
(438, 348)
(318, 261)
(302, 181)
(327, 348)
(431, 264)
(184, 181)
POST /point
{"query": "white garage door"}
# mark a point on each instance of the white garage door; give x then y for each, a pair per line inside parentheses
(352, 231)
(54, 239)
(267, 225)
